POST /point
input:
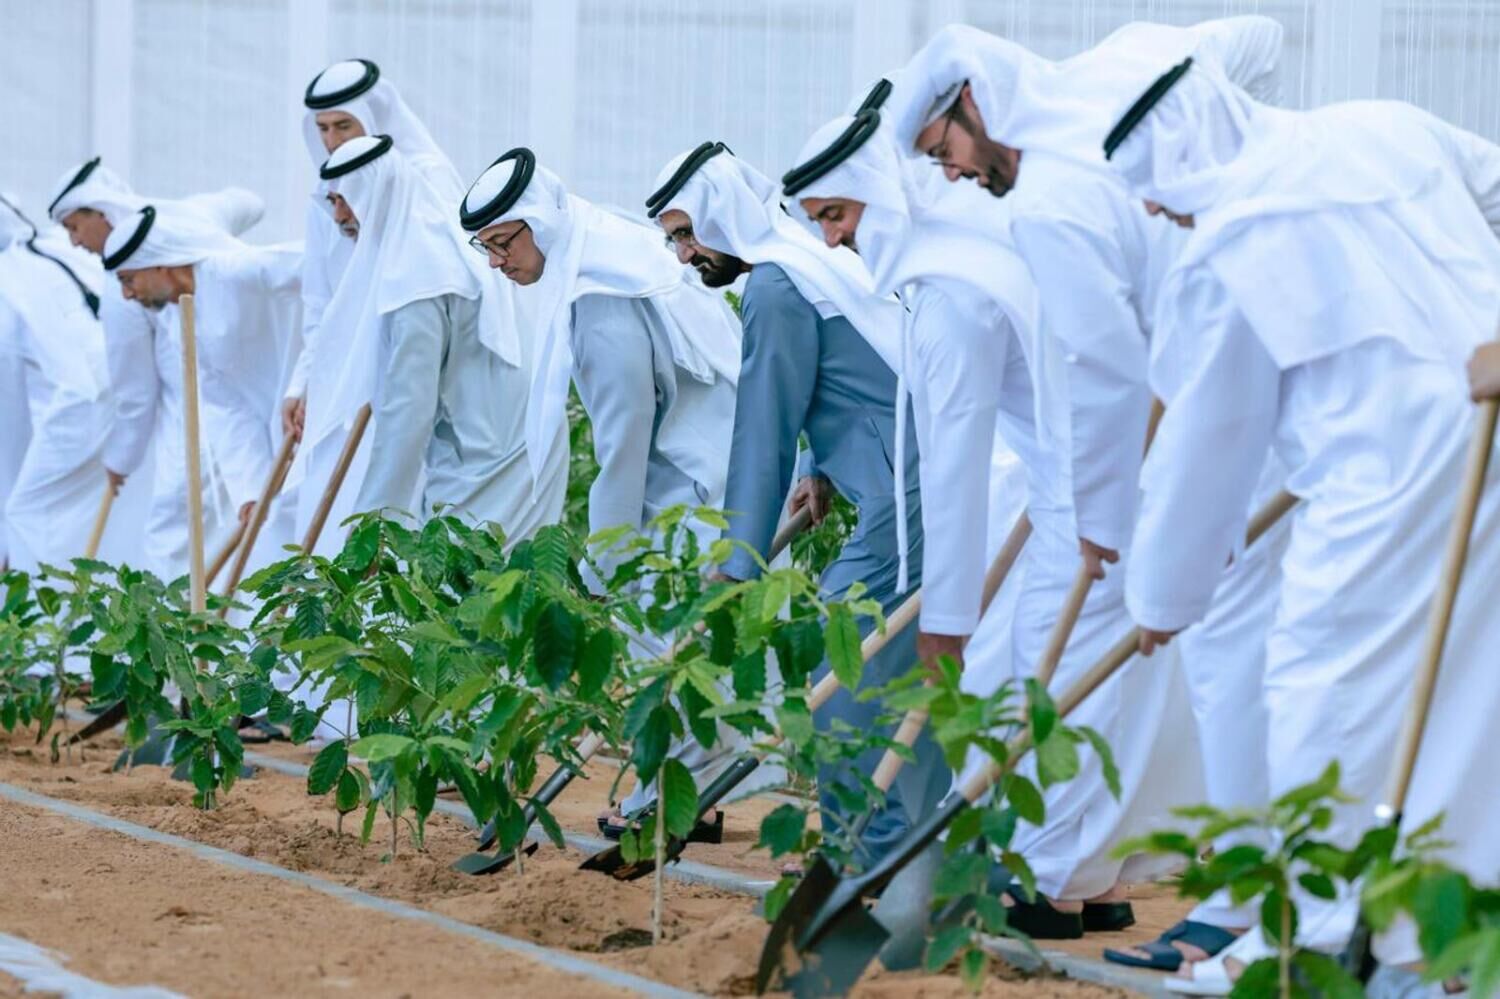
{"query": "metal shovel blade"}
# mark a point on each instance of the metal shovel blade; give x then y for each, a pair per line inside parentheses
(106, 720)
(479, 863)
(832, 965)
(154, 752)
(486, 835)
(817, 883)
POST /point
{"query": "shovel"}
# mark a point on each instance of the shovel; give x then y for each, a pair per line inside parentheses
(480, 862)
(251, 530)
(916, 719)
(612, 861)
(824, 938)
(100, 519)
(1357, 958)
(158, 749)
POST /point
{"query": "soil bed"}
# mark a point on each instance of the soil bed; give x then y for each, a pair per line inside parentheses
(133, 912)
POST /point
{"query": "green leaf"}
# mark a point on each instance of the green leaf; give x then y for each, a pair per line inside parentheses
(254, 695)
(841, 639)
(549, 824)
(348, 796)
(1317, 885)
(695, 708)
(553, 644)
(368, 826)
(750, 675)
(1021, 871)
(999, 825)
(945, 946)
(1042, 711)
(1327, 978)
(781, 830)
(679, 796)
(425, 792)
(650, 744)
(385, 746)
(1056, 759)
(1440, 905)
(1023, 796)
(777, 897)
(327, 767)
(972, 968)
(964, 873)
(360, 548)
(304, 723)
(1271, 914)
(1106, 758)
(596, 658)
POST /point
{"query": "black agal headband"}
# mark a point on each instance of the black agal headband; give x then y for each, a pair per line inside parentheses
(322, 102)
(477, 217)
(1143, 106)
(682, 175)
(876, 97)
(329, 170)
(83, 174)
(850, 139)
(89, 298)
(143, 227)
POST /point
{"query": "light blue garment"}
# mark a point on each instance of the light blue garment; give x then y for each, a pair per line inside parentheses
(802, 373)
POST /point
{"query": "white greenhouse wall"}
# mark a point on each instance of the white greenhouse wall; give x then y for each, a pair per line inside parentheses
(183, 95)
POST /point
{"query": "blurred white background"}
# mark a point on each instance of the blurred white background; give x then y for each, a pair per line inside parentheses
(185, 95)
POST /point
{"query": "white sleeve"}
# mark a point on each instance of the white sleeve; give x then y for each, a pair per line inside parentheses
(237, 436)
(233, 209)
(959, 353)
(130, 355)
(1478, 160)
(1086, 289)
(15, 414)
(1200, 478)
(1249, 50)
(317, 290)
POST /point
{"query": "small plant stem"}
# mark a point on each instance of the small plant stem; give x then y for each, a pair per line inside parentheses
(1285, 972)
(395, 827)
(661, 854)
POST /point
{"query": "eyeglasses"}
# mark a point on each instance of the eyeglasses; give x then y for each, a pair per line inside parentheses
(500, 249)
(939, 152)
(682, 236)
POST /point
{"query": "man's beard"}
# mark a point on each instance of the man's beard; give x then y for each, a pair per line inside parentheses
(996, 184)
(717, 273)
(350, 229)
(154, 304)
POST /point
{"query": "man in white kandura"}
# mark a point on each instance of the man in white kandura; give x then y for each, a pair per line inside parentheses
(973, 327)
(1341, 267)
(144, 354)
(343, 102)
(420, 329)
(1030, 130)
(54, 395)
(654, 356)
(247, 309)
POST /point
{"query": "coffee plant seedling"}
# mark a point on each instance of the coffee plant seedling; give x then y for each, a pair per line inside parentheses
(971, 728)
(26, 698)
(1267, 854)
(1458, 921)
(465, 663)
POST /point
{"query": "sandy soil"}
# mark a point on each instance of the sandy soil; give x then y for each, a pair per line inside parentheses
(136, 891)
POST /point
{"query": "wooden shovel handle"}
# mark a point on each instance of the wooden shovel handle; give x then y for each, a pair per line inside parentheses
(916, 719)
(336, 480)
(196, 574)
(1441, 613)
(258, 514)
(1118, 655)
(100, 519)
(225, 552)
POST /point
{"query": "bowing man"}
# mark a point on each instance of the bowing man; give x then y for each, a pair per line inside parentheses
(419, 329)
(654, 356)
(818, 351)
(1339, 270)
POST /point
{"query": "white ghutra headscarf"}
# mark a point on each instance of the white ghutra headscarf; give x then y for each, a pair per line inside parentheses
(592, 251)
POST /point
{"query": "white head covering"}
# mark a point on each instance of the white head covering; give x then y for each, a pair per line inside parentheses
(1397, 248)
(735, 209)
(170, 240)
(1065, 108)
(382, 111)
(60, 318)
(100, 189)
(591, 251)
(916, 226)
(409, 249)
